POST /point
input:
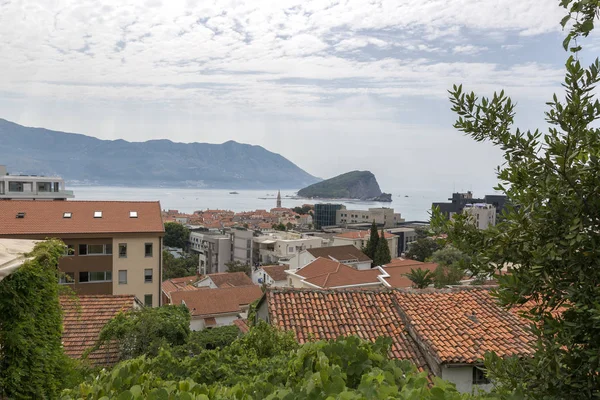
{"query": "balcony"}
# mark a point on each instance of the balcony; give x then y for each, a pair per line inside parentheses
(42, 195)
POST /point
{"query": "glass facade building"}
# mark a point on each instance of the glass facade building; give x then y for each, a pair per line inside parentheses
(325, 214)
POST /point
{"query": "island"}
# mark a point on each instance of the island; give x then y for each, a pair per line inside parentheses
(360, 185)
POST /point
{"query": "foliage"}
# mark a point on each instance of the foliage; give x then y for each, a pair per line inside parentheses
(145, 331)
(176, 235)
(421, 278)
(32, 361)
(279, 227)
(549, 237)
(348, 185)
(179, 267)
(209, 339)
(237, 266)
(371, 246)
(382, 253)
(305, 209)
(444, 275)
(289, 226)
(452, 266)
(422, 249)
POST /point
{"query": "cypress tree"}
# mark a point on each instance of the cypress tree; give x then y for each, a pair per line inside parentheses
(371, 246)
(382, 253)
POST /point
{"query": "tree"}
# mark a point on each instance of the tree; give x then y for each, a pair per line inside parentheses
(421, 278)
(382, 253)
(549, 238)
(422, 249)
(289, 226)
(371, 246)
(176, 235)
(179, 267)
(236, 266)
(279, 227)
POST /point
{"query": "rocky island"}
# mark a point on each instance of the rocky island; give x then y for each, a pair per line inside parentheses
(360, 185)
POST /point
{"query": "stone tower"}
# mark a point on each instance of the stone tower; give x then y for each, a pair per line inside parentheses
(278, 199)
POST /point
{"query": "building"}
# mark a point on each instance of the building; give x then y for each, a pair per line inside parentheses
(444, 332)
(324, 273)
(242, 245)
(458, 201)
(359, 240)
(382, 216)
(169, 286)
(224, 280)
(279, 247)
(278, 199)
(481, 215)
(112, 247)
(347, 254)
(325, 214)
(211, 308)
(213, 249)
(83, 319)
(32, 187)
(271, 275)
(396, 270)
(405, 237)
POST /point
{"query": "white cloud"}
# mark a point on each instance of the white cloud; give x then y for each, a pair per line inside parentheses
(468, 49)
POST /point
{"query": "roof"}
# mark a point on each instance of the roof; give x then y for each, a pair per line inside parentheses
(361, 235)
(229, 279)
(217, 301)
(326, 273)
(397, 271)
(47, 217)
(242, 325)
(84, 317)
(276, 272)
(179, 284)
(453, 325)
(403, 262)
(340, 253)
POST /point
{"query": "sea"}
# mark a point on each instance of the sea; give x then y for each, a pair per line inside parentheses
(413, 205)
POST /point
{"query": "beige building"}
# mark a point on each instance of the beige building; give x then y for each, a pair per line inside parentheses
(282, 246)
(382, 216)
(112, 247)
(482, 215)
(359, 240)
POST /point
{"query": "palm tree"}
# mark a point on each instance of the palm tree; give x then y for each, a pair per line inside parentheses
(421, 278)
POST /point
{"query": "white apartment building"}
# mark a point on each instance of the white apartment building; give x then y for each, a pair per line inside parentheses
(242, 245)
(32, 187)
(282, 246)
(213, 249)
(382, 216)
(482, 215)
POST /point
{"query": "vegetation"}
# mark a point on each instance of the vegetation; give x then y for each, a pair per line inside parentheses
(371, 247)
(382, 253)
(549, 236)
(305, 209)
(179, 267)
(421, 278)
(32, 361)
(236, 266)
(176, 235)
(351, 185)
(279, 227)
(422, 249)
(452, 266)
(210, 339)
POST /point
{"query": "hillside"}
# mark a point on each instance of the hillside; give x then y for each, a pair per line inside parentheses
(351, 185)
(89, 160)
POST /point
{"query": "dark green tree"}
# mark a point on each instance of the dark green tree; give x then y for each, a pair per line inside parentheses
(236, 266)
(289, 226)
(382, 253)
(422, 249)
(179, 267)
(176, 235)
(371, 246)
(549, 238)
(279, 227)
(421, 278)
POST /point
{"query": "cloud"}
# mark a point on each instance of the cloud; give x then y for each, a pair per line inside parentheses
(468, 49)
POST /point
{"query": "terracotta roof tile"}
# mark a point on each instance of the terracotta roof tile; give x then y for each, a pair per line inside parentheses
(46, 217)
(217, 301)
(242, 325)
(228, 279)
(276, 272)
(326, 273)
(397, 271)
(339, 253)
(83, 319)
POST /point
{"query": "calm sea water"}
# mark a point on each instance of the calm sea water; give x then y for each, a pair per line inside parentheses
(413, 207)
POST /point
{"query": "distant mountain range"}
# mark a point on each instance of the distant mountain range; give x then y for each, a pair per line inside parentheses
(360, 185)
(88, 160)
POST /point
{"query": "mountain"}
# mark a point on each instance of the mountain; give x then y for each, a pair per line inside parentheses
(86, 159)
(351, 185)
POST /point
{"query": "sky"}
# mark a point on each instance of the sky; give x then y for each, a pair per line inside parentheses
(333, 85)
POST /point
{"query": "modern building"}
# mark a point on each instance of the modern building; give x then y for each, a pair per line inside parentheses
(405, 237)
(325, 214)
(242, 245)
(458, 201)
(213, 250)
(359, 240)
(32, 187)
(347, 254)
(382, 216)
(112, 247)
(482, 215)
(278, 247)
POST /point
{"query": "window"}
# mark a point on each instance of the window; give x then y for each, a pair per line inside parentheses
(108, 249)
(103, 276)
(122, 250)
(122, 277)
(479, 376)
(148, 249)
(20, 215)
(148, 275)
(15, 186)
(67, 215)
(95, 249)
(148, 300)
(69, 250)
(83, 249)
(66, 278)
(132, 214)
(97, 214)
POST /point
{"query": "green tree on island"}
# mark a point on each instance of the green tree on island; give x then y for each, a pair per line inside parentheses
(549, 237)
(371, 247)
(382, 253)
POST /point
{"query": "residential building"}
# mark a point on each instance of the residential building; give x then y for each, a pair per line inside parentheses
(444, 332)
(84, 317)
(242, 245)
(112, 247)
(213, 249)
(211, 308)
(279, 247)
(223, 280)
(325, 214)
(324, 273)
(170, 286)
(382, 216)
(458, 201)
(359, 240)
(396, 270)
(405, 237)
(32, 187)
(346, 254)
(271, 275)
(481, 215)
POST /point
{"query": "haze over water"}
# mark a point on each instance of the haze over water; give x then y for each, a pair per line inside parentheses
(415, 207)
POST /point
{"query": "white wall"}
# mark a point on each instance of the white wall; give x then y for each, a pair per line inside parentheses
(197, 324)
(462, 377)
(208, 282)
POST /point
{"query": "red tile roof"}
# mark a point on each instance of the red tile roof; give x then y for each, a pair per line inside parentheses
(403, 262)
(276, 272)
(362, 235)
(397, 271)
(46, 217)
(217, 301)
(83, 319)
(242, 325)
(326, 273)
(229, 279)
(340, 253)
